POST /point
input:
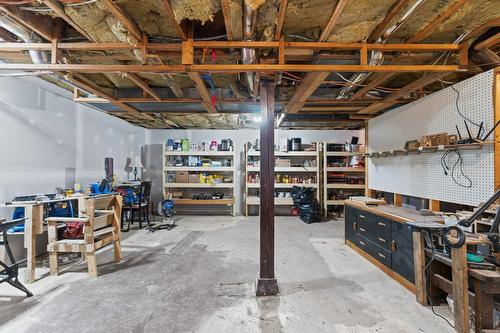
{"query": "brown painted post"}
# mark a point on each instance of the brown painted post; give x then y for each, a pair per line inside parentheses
(267, 284)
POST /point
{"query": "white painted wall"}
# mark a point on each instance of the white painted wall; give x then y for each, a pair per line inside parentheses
(42, 133)
(239, 137)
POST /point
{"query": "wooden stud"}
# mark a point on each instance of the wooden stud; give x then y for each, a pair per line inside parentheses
(419, 265)
(333, 20)
(460, 289)
(435, 205)
(187, 48)
(57, 29)
(483, 306)
(171, 18)
(281, 19)
(123, 17)
(463, 55)
(434, 24)
(398, 199)
(267, 284)
(281, 52)
(364, 55)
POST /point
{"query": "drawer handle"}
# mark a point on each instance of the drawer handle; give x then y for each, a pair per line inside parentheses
(393, 246)
(382, 224)
(362, 229)
(381, 239)
(362, 243)
(362, 216)
(354, 226)
(381, 255)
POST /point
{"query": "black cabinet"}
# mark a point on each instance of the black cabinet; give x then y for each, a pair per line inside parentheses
(402, 255)
(350, 223)
(390, 242)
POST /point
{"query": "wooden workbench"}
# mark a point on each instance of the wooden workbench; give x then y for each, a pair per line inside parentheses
(33, 226)
(486, 284)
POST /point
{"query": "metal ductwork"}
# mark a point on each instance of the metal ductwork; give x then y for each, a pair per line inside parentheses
(249, 32)
(376, 57)
(37, 57)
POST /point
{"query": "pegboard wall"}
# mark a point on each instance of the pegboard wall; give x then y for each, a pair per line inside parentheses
(422, 175)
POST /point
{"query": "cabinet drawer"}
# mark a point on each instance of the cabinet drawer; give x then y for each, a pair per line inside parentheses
(375, 251)
(381, 232)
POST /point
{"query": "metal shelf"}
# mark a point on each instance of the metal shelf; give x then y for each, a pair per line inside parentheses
(199, 153)
(287, 153)
(281, 185)
(285, 169)
(199, 185)
(203, 168)
(345, 169)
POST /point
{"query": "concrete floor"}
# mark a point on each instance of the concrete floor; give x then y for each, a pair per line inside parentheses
(200, 278)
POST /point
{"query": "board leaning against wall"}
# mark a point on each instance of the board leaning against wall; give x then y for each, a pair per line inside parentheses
(423, 175)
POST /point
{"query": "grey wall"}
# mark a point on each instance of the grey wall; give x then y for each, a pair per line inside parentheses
(47, 140)
(156, 138)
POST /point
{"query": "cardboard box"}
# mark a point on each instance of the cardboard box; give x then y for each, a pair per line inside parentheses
(194, 178)
(283, 163)
(181, 177)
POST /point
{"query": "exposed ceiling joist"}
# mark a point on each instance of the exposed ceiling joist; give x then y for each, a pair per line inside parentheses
(478, 31)
(226, 12)
(143, 85)
(374, 83)
(124, 18)
(281, 19)
(7, 36)
(306, 88)
(173, 20)
(42, 25)
(434, 24)
(490, 42)
(228, 68)
(327, 30)
(203, 91)
(58, 9)
(90, 87)
(391, 14)
(391, 100)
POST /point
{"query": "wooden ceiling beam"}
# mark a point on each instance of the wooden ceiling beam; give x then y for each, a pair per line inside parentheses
(40, 24)
(136, 79)
(90, 87)
(391, 14)
(344, 108)
(281, 19)
(173, 20)
(306, 88)
(229, 68)
(203, 91)
(327, 30)
(124, 18)
(391, 100)
(58, 9)
(226, 12)
(374, 83)
(434, 24)
(7, 36)
(478, 31)
(489, 42)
